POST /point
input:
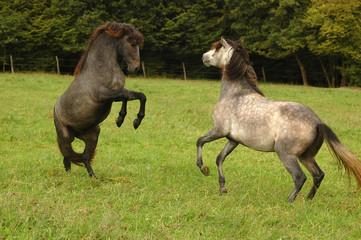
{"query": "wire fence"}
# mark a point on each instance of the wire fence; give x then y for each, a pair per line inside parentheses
(174, 69)
(171, 69)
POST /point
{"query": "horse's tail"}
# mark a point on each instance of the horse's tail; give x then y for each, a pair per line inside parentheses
(341, 153)
(76, 158)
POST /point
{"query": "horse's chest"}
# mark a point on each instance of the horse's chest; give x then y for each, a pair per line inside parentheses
(117, 83)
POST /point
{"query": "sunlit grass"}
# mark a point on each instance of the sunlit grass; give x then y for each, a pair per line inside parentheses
(149, 186)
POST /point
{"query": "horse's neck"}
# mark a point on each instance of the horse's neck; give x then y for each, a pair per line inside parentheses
(235, 88)
(103, 55)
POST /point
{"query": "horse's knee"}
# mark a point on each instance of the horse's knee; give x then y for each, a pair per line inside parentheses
(142, 97)
(200, 142)
(219, 160)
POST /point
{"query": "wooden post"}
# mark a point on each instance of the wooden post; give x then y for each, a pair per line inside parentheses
(11, 63)
(4, 62)
(57, 64)
(145, 76)
(264, 75)
(184, 71)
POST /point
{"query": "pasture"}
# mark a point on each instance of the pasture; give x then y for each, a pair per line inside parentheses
(149, 186)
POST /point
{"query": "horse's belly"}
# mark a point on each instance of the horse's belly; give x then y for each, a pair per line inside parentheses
(84, 116)
(260, 139)
(93, 116)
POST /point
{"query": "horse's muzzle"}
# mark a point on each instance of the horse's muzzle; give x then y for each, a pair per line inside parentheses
(133, 67)
(206, 60)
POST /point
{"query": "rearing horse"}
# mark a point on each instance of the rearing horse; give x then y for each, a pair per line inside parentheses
(98, 83)
(244, 116)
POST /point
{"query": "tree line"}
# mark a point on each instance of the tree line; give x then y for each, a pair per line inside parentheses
(310, 42)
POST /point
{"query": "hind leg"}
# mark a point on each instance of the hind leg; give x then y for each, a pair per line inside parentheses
(308, 160)
(90, 139)
(230, 146)
(316, 173)
(66, 150)
(291, 164)
(64, 138)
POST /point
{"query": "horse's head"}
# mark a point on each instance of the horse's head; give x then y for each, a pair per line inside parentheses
(219, 55)
(127, 42)
(128, 47)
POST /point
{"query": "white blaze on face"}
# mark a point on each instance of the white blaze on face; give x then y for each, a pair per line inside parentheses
(218, 57)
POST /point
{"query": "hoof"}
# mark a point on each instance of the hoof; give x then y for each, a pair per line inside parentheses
(136, 123)
(119, 121)
(92, 175)
(223, 190)
(205, 170)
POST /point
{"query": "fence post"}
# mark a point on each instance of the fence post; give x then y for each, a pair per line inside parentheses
(57, 64)
(184, 71)
(264, 74)
(11, 62)
(145, 76)
(4, 62)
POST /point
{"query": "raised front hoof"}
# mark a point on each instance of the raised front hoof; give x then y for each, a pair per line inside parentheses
(223, 190)
(136, 123)
(120, 121)
(205, 170)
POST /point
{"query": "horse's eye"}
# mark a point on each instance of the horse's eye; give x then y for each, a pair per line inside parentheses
(219, 46)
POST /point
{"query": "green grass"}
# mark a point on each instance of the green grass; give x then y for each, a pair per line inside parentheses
(149, 186)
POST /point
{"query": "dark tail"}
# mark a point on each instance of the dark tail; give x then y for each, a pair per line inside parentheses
(342, 154)
(76, 158)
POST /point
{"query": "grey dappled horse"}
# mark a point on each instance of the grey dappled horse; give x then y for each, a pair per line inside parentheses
(245, 116)
(98, 83)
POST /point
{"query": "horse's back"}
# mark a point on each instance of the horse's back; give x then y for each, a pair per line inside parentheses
(259, 123)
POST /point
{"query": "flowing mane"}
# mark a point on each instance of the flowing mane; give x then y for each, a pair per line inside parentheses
(239, 67)
(117, 30)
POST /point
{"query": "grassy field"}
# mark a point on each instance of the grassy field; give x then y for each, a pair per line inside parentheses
(149, 186)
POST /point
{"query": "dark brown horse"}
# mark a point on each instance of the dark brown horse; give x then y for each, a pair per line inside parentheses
(98, 83)
(244, 116)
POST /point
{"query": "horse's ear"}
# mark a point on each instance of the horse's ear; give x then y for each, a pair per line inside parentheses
(224, 42)
(241, 40)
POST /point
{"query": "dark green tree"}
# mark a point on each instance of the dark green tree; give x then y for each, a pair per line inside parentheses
(336, 28)
(271, 28)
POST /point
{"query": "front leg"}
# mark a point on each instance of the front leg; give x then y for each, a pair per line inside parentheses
(142, 98)
(104, 94)
(212, 135)
(230, 146)
(122, 113)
